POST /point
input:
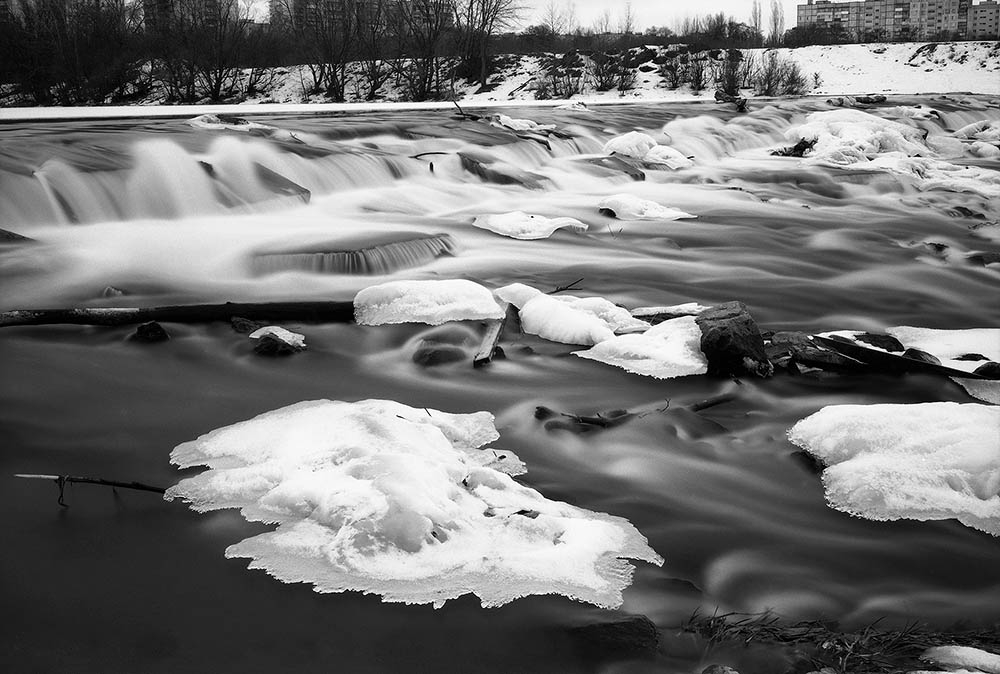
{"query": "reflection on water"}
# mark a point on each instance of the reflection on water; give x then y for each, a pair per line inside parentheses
(169, 213)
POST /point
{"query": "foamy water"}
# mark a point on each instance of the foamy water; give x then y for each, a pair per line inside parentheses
(174, 214)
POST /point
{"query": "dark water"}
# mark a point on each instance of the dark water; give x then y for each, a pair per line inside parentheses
(126, 582)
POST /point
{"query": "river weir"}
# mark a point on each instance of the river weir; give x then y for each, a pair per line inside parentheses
(888, 217)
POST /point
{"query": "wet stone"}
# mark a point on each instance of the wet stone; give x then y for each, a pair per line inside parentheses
(633, 636)
(269, 345)
(430, 354)
(989, 370)
(886, 342)
(731, 341)
(971, 357)
(149, 333)
(923, 356)
(245, 326)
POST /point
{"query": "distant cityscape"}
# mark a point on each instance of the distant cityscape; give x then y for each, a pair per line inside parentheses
(901, 20)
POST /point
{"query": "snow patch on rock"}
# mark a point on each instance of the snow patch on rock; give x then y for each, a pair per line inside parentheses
(628, 207)
(525, 226)
(431, 302)
(670, 349)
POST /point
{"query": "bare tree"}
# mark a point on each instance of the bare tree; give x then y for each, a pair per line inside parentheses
(777, 24)
(419, 28)
(373, 37)
(478, 21)
(756, 19)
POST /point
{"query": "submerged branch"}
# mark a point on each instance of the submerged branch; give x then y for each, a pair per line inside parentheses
(333, 312)
(62, 480)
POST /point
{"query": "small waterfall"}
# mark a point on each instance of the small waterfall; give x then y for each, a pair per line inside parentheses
(371, 256)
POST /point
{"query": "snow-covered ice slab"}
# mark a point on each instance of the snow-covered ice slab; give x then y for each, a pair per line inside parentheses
(567, 319)
(431, 302)
(927, 461)
(645, 148)
(849, 137)
(963, 658)
(670, 349)
(378, 497)
(628, 207)
(526, 226)
(505, 122)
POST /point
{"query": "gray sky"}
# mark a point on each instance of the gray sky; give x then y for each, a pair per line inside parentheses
(662, 12)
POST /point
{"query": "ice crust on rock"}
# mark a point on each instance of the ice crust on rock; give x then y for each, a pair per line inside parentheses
(926, 461)
(513, 124)
(431, 302)
(688, 308)
(628, 207)
(984, 130)
(958, 658)
(567, 319)
(379, 497)
(670, 349)
(645, 148)
(290, 338)
(521, 225)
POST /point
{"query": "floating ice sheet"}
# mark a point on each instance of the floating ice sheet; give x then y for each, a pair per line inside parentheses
(567, 319)
(628, 207)
(431, 302)
(632, 144)
(521, 124)
(963, 658)
(928, 461)
(521, 225)
(670, 349)
(382, 498)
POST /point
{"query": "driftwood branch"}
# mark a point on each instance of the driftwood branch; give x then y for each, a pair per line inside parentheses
(62, 480)
(332, 312)
(491, 337)
(568, 286)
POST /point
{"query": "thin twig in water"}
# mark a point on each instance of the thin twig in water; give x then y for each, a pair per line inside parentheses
(569, 286)
(62, 480)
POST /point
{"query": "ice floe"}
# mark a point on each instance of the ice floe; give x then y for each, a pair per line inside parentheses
(670, 349)
(505, 122)
(567, 319)
(379, 497)
(629, 207)
(926, 461)
(664, 155)
(526, 226)
(963, 658)
(431, 302)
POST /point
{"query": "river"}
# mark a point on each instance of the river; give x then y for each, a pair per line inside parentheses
(169, 213)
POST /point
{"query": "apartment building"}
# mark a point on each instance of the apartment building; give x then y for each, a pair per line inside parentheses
(984, 21)
(902, 19)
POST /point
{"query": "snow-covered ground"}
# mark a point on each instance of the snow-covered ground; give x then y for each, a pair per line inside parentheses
(832, 70)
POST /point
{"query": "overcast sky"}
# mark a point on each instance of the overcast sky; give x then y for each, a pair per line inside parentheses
(662, 12)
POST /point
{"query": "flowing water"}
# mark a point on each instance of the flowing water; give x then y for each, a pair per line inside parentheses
(168, 214)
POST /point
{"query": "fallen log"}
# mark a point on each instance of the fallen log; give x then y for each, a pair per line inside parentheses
(329, 312)
(62, 480)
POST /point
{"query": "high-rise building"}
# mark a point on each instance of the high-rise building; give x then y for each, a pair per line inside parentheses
(984, 21)
(896, 19)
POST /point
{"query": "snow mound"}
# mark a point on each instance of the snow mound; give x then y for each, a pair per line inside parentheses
(984, 150)
(378, 497)
(670, 349)
(964, 658)
(849, 137)
(505, 122)
(628, 207)
(642, 146)
(431, 302)
(688, 308)
(575, 106)
(566, 319)
(525, 226)
(664, 155)
(927, 461)
(633, 144)
(293, 339)
(985, 130)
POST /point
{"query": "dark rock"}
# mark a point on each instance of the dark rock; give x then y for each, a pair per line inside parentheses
(791, 339)
(149, 333)
(871, 99)
(789, 349)
(542, 413)
(429, 354)
(989, 370)
(633, 636)
(887, 342)
(827, 360)
(971, 356)
(13, 238)
(269, 345)
(797, 150)
(731, 341)
(923, 356)
(719, 669)
(245, 326)
(983, 259)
